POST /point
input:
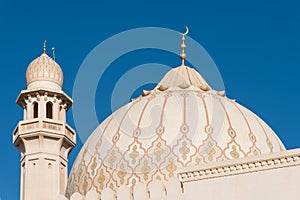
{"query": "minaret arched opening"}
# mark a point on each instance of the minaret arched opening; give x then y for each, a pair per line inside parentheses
(49, 110)
(35, 110)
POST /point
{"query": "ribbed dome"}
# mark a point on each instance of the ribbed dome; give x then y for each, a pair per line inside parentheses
(182, 122)
(44, 70)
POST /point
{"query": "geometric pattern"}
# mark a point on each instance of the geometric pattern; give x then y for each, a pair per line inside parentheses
(157, 134)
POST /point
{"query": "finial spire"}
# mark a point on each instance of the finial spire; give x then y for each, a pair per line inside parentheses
(45, 46)
(183, 46)
(53, 53)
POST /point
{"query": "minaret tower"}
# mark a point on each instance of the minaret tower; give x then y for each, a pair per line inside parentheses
(43, 136)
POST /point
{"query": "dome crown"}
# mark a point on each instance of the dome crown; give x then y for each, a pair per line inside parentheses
(183, 77)
(44, 70)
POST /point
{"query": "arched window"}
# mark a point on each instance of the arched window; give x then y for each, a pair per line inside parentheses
(49, 110)
(35, 110)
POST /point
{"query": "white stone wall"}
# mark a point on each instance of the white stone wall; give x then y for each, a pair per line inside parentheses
(273, 176)
(276, 184)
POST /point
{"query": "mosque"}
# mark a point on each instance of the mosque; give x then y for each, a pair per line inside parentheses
(183, 140)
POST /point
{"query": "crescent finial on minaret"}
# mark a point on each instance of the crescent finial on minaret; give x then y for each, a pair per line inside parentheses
(183, 46)
(45, 46)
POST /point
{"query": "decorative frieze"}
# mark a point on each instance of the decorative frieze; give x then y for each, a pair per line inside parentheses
(241, 166)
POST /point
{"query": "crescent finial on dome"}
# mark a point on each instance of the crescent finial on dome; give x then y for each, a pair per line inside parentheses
(183, 46)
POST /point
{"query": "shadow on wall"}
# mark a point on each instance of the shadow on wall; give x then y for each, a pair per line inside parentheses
(170, 190)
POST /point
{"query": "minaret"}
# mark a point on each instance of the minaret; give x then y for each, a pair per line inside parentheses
(43, 136)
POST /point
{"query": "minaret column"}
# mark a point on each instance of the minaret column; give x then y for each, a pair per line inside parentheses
(43, 137)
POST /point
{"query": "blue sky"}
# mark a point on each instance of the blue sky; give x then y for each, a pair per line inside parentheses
(255, 45)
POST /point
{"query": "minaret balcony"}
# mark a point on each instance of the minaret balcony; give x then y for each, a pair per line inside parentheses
(44, 126)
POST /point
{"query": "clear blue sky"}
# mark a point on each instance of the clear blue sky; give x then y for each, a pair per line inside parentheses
(255, 45)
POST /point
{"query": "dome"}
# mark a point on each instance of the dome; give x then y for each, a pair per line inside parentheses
(182, 122)
(44, 72)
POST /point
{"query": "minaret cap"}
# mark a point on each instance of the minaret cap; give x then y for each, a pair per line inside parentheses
(44, 72)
